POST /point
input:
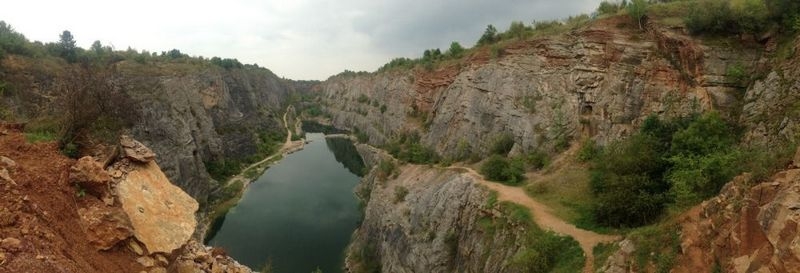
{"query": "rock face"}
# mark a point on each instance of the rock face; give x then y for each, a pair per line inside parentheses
(434, 228)
(105, 226)
(745, 229)
(90, 175)
(162, 215)
(135, 150)
(188, 114)
(598, 81)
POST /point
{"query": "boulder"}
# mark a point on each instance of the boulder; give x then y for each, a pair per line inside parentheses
(796, 160)
(89, 174)
(135, 150)
(4, 176)
(7, 163)
(11, 244)
(162, 214)
(105, 226)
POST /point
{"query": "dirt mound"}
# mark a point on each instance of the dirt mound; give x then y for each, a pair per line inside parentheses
(39, 222)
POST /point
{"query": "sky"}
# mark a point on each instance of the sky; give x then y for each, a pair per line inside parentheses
(296, 39)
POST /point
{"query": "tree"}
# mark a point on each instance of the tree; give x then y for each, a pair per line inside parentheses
(517, 30)
(97, 47)
(66, 46)
(489, 36)
(637, 9)
(455, 50)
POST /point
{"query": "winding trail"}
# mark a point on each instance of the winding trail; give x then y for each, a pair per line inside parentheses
(288, 146)
(544, 217)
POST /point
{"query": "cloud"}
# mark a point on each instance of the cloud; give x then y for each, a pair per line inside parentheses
(299, 39)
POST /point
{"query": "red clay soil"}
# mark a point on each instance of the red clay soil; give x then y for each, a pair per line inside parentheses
(41, 212)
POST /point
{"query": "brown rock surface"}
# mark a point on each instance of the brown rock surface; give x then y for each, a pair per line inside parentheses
(161, 213)
(43, 215)
(135, 150)
(89, 174)
(7, 162)
(105, 226)
(745, 229)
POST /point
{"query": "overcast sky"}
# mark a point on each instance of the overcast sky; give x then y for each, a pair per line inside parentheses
(296, 39)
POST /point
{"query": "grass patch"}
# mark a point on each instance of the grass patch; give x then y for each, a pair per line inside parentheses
(541, 251)
(657, 245)
(602, 251)
(566, 191)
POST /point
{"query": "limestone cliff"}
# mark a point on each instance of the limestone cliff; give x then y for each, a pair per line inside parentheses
(596, 81)
(188, 113)
(428, 220)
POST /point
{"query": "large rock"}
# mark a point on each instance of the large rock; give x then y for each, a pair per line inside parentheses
(796, 160)
(105, 226)
(135, 150)
(161, 213)
(7, 162)
(89, 174)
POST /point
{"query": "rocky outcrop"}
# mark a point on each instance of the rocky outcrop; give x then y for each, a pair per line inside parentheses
(771, 107)
(88, 174)
(162, 215)
(432, 227)
(198, 258)
(596, 81)
(105, 226)
(745, 229)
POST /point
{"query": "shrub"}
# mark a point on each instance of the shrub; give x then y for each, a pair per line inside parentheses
(498, 168)
(400, 193)
(728, 17)
(537, 159)
(503, 144)
(637, 9)
(363, 99)
(489, 36)
(683, 160)
(588, 151)
(607, 8)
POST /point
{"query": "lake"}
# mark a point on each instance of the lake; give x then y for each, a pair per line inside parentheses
(300, 213)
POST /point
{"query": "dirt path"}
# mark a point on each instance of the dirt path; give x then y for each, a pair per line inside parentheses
(544, 217)
(288, 147)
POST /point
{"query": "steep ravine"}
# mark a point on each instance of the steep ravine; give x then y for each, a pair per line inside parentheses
(434, 228)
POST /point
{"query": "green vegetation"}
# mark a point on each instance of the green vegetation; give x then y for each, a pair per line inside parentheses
(407, 147)
(502, 144)
(363, 99)
(541, 251)
(608, 8)
(602, 251)
(267, 143)
(589, 150)
(501, 169)
(400, 193)
(386, 169)
(637, 9)
(658, 245)
(315, 127)
(741, 16)
(677, 162)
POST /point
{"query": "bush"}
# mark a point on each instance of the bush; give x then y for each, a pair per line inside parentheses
(400, 193)
(728, 17)
(607, 8)
(588, 151)
(683, 160)
(503, 144)
(637, 9)
(498, 168)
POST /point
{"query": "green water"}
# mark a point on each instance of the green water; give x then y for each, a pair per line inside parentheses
(299, 214)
